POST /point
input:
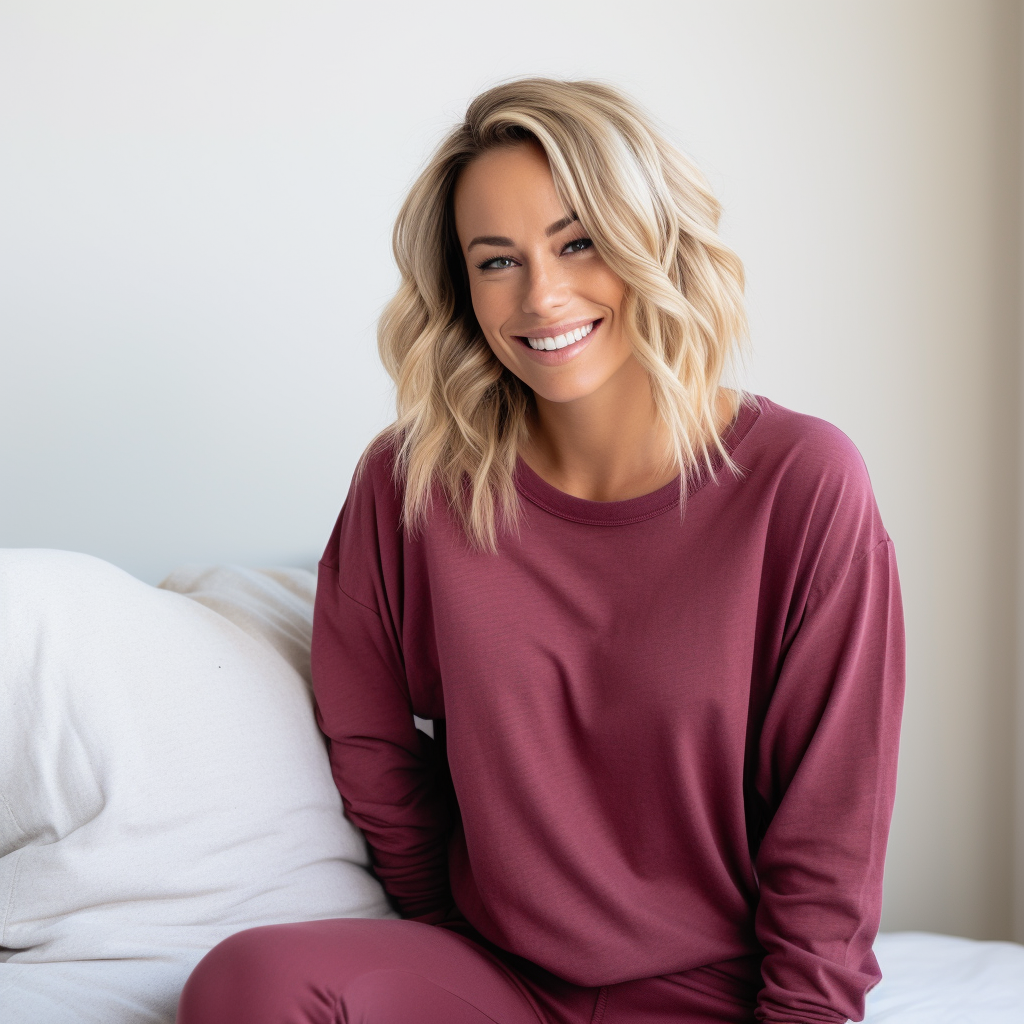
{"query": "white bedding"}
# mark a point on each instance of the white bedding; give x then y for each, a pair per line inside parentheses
(163, 783)
(941, 979)
(928, 979)
(93, 991)
(144, 735)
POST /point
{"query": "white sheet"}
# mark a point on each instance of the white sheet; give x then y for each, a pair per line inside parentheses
(93, 991)
(929, 979)
(942, 979)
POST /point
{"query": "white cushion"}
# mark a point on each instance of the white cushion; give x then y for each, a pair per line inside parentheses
(274, 606)
(162, 780)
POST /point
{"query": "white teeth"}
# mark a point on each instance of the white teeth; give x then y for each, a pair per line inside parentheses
(561, 340)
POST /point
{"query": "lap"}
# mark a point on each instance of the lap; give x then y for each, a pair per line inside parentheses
(357, 971)
(723, 993)
(371, 971)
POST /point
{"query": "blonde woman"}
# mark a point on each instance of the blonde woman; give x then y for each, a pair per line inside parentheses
(656, 623)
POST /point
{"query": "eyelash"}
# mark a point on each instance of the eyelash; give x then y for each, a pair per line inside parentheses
(486, 265)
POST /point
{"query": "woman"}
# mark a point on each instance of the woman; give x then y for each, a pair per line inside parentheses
(657, 623)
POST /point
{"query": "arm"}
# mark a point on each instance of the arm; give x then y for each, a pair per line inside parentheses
(827, 767)
(384, 768)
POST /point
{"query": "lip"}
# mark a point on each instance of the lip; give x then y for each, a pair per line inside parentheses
(553, 357)
(556, 329)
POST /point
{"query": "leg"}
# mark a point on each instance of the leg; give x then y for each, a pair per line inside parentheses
(353, 971)
(723, 993)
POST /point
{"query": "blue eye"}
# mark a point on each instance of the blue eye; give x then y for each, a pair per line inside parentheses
(504, 262)
(497, 263)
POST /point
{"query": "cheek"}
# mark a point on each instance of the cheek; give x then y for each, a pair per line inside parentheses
(614, 288)
(600, 284)
(488, 307)
(490, 315)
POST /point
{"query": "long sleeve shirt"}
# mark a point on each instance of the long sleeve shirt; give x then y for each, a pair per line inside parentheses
(672, 739)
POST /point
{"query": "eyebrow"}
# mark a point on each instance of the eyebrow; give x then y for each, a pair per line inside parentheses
(559, 225)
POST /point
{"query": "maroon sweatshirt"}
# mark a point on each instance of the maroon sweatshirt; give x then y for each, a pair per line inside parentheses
(672, 741)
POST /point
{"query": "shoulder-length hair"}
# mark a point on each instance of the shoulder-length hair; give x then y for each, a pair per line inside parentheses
(461, 414)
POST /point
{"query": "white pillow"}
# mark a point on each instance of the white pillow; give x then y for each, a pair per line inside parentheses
(163, 783)
(271, 605)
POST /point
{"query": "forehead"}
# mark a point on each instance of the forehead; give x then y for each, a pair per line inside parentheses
(506, 191)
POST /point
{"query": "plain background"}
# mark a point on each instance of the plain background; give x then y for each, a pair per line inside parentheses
(195, 208)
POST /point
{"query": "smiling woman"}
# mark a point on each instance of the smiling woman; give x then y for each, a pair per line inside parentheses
(655, 621)
(558, 207)
(540, 277)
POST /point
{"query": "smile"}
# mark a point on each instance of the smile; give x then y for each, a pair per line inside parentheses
(561, 340)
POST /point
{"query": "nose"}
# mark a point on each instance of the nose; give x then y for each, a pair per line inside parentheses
(547, 288)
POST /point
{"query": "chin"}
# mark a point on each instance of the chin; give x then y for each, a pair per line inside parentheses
(573, 387)
(564, 395)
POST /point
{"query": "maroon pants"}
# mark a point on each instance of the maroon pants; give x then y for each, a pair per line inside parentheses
(367, 971)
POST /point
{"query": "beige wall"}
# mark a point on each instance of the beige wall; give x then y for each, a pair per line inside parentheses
(196, 200)
(1013, 246)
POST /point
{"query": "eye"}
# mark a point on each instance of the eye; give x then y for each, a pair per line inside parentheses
(578, 245)
(496, 263)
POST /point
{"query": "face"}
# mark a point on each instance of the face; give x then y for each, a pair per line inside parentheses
(546, 302)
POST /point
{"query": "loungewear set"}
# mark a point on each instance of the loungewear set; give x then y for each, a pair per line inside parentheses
(664, 759)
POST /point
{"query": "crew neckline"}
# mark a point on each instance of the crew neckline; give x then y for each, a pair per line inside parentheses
(533, 486)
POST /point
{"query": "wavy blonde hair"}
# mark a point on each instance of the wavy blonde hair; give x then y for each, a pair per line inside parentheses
(461, 414)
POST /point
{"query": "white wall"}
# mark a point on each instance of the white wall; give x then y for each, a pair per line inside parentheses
(195, 204)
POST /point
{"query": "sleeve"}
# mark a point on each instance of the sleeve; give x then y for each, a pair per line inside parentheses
(384, 768)
(827, 769)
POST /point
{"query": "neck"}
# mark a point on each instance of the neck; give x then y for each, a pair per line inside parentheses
(609, 446)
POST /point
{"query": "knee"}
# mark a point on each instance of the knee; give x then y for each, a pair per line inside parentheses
(397, 996)
(228, 975)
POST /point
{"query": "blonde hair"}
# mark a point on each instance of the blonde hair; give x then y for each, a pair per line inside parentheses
(461, 414)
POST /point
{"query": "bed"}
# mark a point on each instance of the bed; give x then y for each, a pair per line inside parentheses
(163, 785)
